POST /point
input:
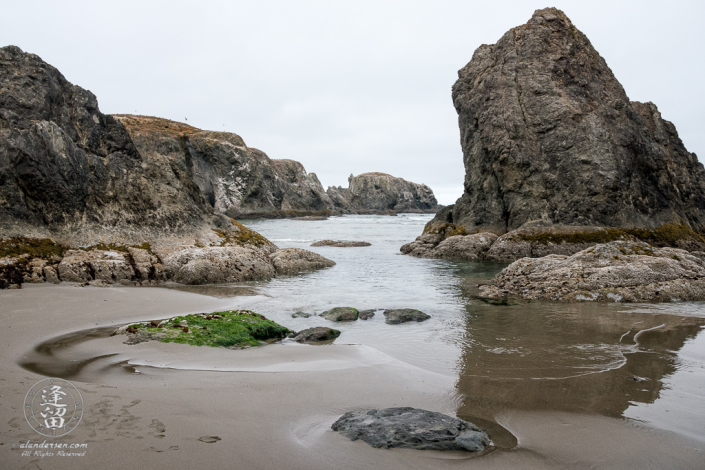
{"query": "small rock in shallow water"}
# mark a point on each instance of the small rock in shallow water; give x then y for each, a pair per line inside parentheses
(403, 315)
(339, 243)
(366, 314)
(413, 429)
(316, 335)
(300, 314)
(209, 439)
(341, 314)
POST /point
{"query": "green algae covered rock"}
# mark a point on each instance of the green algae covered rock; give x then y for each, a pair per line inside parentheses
(234, 329)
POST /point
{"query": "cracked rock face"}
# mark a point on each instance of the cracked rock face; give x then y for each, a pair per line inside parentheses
(235, 179)
(68, 170)
(412, 429)
(619, 271)
(548, 134)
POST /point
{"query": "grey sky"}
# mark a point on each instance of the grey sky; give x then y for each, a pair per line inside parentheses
(343, 87)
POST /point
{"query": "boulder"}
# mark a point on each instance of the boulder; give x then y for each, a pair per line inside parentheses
(316, 335)
(403, 315)
(84, 266)
(619, 271)
(300, 315)
(412, 429)
(218, 264)
(296, 260)
(366, 314)
(341, 314)
(339, 244)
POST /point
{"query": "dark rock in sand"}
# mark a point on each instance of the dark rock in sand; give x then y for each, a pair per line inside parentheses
(339, 244)
(366, 314)
(341, 314)
(316, 335)
(403, 315)
(551, 139)
(412, 429)
(379, 193)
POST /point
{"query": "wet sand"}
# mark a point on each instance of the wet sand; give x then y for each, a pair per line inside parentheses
(147, 405)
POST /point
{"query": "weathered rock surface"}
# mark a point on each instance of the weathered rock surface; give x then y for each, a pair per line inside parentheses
(619, 271)
(550, 138)
(568, 140)
(217, 264)
(68, 171)
(366, 314)
(85, 266)
(382, 193)
(339, 243)
(296, 260)
(463, 247)
(316, 335)
(412, 429)
(300, 315)
(341, 314)
(403, 315)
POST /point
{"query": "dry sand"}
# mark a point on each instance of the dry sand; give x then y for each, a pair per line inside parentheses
(271, 406)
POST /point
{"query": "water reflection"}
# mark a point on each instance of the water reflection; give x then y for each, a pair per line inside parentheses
(588, 358)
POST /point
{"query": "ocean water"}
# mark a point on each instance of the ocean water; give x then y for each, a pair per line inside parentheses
(643, 362)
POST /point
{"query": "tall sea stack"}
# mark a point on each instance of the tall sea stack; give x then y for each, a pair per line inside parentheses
(549, 137)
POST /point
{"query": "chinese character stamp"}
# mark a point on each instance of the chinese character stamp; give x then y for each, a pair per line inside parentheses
(53, 407)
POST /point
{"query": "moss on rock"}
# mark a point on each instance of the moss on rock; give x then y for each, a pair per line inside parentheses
(233, 329)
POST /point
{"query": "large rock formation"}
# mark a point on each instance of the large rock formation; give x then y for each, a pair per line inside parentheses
(550, 138)
(379, 193)
(84, 200)
(69, 171)
(236, 180)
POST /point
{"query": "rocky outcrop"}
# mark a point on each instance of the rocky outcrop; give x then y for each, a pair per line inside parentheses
(550, 138)
(403, 315)
(70, 172)
(90, 198)
(382, 193)
(220, 256)
(339, 243)
(619, 271)
(235, 179)
(412, 429)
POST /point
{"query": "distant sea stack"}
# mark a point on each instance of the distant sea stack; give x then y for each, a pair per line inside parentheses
(236, 180)
(382, 193)
(551, 140)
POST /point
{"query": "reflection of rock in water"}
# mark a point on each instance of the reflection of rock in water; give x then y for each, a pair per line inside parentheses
(575, 358)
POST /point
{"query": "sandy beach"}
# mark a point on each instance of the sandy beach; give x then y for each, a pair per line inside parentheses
(271, 406)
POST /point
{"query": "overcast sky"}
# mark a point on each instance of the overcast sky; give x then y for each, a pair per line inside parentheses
(343, 87)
